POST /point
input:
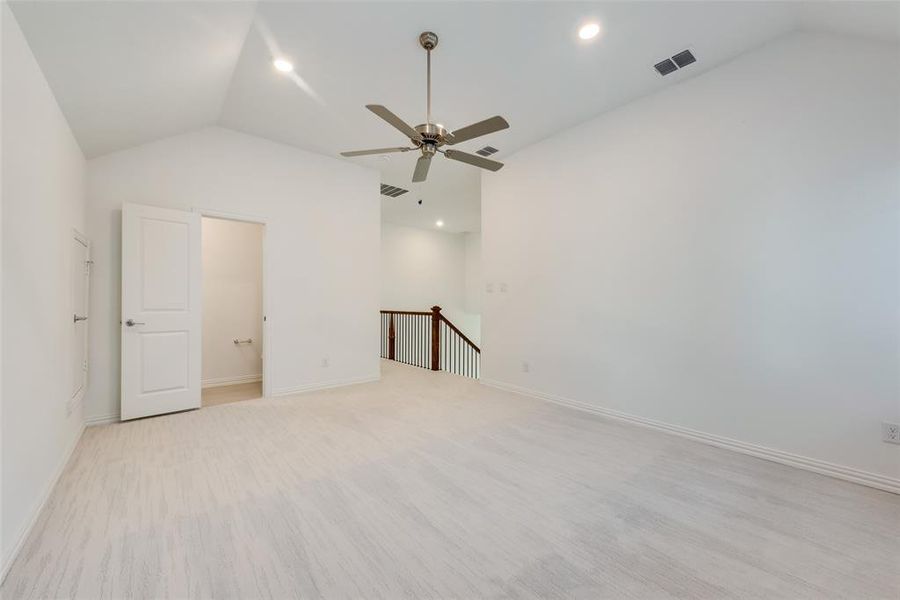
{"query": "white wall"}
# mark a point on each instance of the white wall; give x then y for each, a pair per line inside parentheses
(43, 200)
(473, 272)
(322, 249)
(232, 301)
(421, 268)
(721, 256)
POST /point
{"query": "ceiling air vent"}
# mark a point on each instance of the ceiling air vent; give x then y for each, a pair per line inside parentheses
(487, 151)
(679, 61)
(684, 58)
(665, 67)
(391, 191)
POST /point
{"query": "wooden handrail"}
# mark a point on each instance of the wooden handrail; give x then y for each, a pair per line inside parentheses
(407, 337)
(461, 334)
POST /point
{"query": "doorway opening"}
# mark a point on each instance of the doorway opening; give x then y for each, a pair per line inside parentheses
(233, 316)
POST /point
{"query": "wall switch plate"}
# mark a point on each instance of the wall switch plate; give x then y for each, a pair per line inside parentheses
(890, 432)
(325, 362)
(526, 368)
(503, 288)
(490, 288)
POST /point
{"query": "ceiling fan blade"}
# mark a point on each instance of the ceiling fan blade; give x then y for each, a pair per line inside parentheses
(478, 129)
(421, 171)
(472, 159)
(375, 151)
(394, 120)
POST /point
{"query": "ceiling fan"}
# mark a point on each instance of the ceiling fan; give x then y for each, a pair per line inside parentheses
(429, 137)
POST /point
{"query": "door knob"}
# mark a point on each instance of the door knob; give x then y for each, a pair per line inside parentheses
(132, 323)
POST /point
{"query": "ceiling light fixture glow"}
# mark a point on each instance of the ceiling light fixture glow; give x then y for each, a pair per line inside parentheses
(283, 65)
(589, 31)
(439, 223)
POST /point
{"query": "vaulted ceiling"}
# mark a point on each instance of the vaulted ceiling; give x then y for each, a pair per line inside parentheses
(126, 73)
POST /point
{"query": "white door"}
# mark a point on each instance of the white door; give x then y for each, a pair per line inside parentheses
(161, 299)
(79, 272)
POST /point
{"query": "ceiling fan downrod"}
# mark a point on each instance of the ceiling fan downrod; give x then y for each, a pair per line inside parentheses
(429, 41)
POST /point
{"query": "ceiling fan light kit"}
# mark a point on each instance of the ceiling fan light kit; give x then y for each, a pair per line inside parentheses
(428, 138)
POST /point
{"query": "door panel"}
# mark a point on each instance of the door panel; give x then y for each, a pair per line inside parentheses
(165, 262)
(79, 271)
(164, 360)
(160, 311)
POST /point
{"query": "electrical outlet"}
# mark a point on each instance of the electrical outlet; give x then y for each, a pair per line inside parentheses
(489, 288)
(503, 288)
(890, 432)
(526, 368)
(325, 362)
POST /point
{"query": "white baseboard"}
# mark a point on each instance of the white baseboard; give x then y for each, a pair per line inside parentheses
(102, 420)
(38, 507)
(115, 418)
(881, 482)
(323, 385)
(220, 381)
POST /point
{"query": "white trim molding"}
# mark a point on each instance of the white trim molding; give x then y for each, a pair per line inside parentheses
(231, 216)
(38, 507)
(313, 387)
(222, 381)
(881, 482)
(266, 376)
(102, 420)
(300, 389)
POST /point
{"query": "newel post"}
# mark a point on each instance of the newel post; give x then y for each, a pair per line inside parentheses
(391, 336)
(435, 338)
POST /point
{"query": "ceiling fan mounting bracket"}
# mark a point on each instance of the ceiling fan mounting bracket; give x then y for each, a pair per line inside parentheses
(428, 40)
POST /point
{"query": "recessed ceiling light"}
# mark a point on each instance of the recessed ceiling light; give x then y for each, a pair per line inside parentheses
(589, 31)
(439, 223)
(283, 65)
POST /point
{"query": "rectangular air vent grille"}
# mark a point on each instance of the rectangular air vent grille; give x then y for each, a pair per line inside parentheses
(684, 58)
(679, 61)
(487, 151)
(665, 67)
(391, 191)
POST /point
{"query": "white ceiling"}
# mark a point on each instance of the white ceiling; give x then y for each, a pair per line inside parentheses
(126, 73)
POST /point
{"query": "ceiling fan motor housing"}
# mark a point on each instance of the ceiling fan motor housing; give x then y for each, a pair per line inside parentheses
(432, 135)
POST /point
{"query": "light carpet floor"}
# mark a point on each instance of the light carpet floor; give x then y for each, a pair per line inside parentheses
(428, 485)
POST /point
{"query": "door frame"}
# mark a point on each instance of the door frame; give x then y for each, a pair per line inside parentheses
(264, 221)
(75, 400)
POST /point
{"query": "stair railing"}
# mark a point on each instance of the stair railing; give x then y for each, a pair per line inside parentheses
(429, 340)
